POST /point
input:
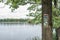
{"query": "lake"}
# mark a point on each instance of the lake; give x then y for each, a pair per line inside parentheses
(20, 31)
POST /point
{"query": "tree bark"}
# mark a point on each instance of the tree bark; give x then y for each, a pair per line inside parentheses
(47, 11)
(55, 3)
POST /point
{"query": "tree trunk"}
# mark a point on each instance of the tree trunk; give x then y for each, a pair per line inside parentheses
(55, 3)
(47, 15)
(58, 33)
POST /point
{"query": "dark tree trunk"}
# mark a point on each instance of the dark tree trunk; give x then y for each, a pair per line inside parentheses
(58, 33)
(55, 3)
(47, 11)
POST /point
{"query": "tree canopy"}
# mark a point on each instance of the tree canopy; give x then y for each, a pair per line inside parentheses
(14, 4)
(36, 7)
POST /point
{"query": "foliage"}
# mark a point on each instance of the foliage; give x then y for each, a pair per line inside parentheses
(56, 17)
(54, 34)
(35, 10)
(14, 4)
(1, 0)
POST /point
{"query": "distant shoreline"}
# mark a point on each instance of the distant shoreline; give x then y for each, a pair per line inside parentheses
(13, 20)
(17, 21)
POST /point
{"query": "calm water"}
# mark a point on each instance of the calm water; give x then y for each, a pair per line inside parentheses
(19, 31)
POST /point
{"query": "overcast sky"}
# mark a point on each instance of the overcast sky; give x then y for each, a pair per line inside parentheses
(21, 12)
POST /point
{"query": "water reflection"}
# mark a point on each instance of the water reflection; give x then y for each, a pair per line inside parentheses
(19, 31)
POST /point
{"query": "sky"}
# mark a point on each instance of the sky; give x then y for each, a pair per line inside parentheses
(21, 12)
